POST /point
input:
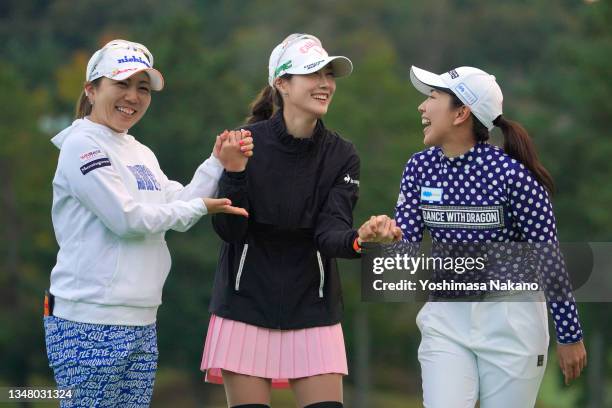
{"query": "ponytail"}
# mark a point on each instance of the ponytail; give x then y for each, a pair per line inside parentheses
(517, 143)
(83, 106)
(266, 103)
(519, 146)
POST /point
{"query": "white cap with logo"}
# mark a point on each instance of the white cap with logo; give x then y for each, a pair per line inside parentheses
(120, 59)
(475, 88)
(304, 54)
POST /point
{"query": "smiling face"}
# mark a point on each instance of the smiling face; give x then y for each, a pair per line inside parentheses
(309, 93)
(438, 118)
(120, 104)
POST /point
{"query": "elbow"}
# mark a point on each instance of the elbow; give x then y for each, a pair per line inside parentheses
(322, 244)
(130, 225)
(226, 230)
(124, 229)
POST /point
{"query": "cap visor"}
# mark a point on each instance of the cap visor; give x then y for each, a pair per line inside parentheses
(156, 78)
(341, 66)
(425, 81)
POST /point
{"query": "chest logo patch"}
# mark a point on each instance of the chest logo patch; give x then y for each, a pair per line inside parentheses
(450, 216)
(431, 194)
(145, 179)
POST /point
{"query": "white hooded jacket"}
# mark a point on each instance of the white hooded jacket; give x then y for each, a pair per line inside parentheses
(112, 205)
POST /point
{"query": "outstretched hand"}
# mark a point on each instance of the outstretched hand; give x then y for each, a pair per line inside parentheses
(223, 205)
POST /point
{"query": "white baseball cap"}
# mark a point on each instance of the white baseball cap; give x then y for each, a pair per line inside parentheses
(474, 87)
(303, 54)
(120, 59)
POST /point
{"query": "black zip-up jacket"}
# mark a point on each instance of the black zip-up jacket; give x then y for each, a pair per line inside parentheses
(277, 269)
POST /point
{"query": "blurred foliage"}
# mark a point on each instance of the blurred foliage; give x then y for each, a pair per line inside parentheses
(552, 59)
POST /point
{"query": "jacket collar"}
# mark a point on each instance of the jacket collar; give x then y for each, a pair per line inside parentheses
(277, 123)
(472, 156)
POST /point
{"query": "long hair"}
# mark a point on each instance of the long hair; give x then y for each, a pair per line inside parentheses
(517, 144)
(266, 103)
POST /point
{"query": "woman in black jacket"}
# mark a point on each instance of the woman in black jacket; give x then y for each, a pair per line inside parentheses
(277, 301)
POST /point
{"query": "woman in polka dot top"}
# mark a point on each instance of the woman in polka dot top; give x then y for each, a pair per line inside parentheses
(464, 190)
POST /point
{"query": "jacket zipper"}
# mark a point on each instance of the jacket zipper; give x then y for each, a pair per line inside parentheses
(321, 274)
(241, 265)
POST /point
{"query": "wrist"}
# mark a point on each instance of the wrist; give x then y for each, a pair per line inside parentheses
(235, 169)
(357, 245)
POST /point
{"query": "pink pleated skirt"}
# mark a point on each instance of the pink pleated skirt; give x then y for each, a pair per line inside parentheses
(279, 355)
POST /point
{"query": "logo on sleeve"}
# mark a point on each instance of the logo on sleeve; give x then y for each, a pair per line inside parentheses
(431, 194)
(95, 164)
(145, 179)
(88, 156)
(449, 216)
(349, 180)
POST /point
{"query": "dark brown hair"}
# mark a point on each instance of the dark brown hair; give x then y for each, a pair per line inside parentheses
(517, 144)
(266, 103)
(83, 107)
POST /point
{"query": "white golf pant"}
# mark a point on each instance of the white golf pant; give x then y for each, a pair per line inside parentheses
(494, 352)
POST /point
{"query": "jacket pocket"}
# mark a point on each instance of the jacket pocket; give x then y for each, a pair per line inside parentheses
(245, 249)
(142, 268)
(321, 274)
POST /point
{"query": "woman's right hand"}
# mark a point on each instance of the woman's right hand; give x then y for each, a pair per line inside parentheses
(223, 205)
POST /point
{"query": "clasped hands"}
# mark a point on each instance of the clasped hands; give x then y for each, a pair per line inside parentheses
(381, 229)
(233, 149)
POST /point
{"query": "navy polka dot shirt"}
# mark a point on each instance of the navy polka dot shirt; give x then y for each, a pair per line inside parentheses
(484, 196)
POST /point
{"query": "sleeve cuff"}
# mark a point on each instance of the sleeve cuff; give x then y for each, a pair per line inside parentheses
(234, 178)
(214, 163)
(198, 204)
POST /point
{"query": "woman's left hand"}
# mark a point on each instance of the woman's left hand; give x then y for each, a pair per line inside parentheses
(572, 360)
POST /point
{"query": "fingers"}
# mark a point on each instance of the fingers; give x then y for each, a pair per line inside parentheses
(218, 143)
(243, 139)
(213, 203)
(223, 205)
(228, 209)
(246, 146)
(373, 225)
(380, 228)
(397, 232)
(234, 136)
(365, 231)
(572, 360)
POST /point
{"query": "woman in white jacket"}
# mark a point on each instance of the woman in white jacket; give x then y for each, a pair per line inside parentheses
(112, 205)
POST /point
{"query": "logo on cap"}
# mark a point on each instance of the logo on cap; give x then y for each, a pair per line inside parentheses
(468, 96)
(314, 64)
(453, 74)
(283, 67)
(310, 44)
(133, 58)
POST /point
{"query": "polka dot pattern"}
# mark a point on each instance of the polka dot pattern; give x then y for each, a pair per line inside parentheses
(486, 176)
